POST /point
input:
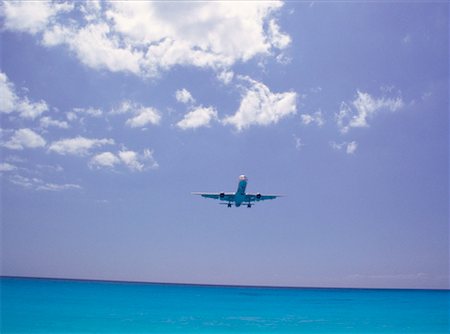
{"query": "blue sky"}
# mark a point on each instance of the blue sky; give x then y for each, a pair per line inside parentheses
(113, 113)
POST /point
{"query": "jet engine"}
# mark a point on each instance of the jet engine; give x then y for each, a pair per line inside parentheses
(258, 196)
(222, 195)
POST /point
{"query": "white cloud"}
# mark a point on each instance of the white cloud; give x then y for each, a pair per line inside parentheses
(143, 117)
(31, 16)
(11, 102)
(298, 143)
(41, 185)
(24, 138)
(200, 116)
(81, 113)
(94, 47)
(132, 160)
(225, 76)
(21, 181)
(92, 112)
(8, 97)
(145, 38)
(349, 147)
(138, 162)
(363, 108)
(316, 118)
(105, 159)
(78, 146)
(71, 116)
(29, 109)
(283, 59)
(184, 96)
(278, 39)
(50, 168)
(57, 187)
(259, 106)
(49, 122)
(6, 167)
(91, 10)
(124, 108)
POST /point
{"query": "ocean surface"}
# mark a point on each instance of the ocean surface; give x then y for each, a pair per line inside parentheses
(70, 306)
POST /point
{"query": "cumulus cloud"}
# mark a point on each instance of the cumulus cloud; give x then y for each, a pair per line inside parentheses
(134, 161)
(78, 146)
(24, 138)
(198, 117)
(138, 162)
(141, 115)
(259, 106)
(11, 102)
(93, 46)
(316, 118)
(105, 159)
(31, 16)
(184, 96)
(144, 116)
(364, 107)
(146, 38)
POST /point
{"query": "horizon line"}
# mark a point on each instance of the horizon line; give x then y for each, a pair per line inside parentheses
(215, 284)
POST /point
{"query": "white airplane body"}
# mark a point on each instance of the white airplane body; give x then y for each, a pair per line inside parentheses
(239, 197)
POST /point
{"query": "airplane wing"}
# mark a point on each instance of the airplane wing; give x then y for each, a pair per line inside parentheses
(229, 197)
(259, 197)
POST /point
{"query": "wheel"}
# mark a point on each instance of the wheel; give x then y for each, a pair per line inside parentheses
(249, 205)
(229, 205)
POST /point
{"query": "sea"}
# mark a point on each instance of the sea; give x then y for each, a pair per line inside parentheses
(79, 306)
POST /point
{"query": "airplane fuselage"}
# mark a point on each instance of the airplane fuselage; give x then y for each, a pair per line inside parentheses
(239, 196)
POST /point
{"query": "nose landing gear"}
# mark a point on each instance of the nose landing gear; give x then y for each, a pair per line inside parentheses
(229, 205)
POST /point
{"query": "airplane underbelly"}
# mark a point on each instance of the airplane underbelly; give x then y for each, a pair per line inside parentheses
(238, 199)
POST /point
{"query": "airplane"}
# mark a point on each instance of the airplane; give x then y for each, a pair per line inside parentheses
(239, 197)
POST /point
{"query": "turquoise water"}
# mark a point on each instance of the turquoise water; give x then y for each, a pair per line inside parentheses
(64, 306)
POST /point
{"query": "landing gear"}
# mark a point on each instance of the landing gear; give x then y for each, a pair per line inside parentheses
(249, 205)
(229, 205)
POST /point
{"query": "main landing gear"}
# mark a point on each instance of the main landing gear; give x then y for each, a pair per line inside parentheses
(249, 205)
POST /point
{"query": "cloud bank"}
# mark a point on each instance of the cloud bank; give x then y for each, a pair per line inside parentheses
(147, 38)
